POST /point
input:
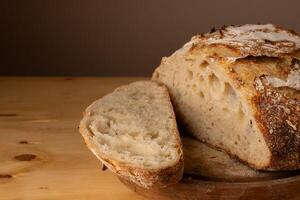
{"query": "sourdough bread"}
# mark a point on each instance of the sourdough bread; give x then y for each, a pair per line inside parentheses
(237, 89)
(133, 132)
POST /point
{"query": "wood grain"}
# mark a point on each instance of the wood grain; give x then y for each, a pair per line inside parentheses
(42, 155)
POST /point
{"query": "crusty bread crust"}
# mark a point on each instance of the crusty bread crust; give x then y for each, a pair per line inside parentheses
(277, 109)
(278, 116)
(262, 61)
(145, 178)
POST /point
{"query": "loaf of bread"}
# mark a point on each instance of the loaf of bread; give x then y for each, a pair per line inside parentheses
(237, 88)
(133, 131)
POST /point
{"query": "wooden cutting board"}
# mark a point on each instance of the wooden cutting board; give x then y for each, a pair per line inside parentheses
(211, 174)
(42, 155)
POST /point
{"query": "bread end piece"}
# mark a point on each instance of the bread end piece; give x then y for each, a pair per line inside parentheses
(146, 177)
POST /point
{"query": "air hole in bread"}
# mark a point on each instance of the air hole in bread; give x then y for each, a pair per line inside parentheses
(241, 113)
(194, 87)
(103, 127)
(212, 78)
(160, 143)
(214, 82)
(201, 94)
(189, 75)
(154, 135)
(204, 64)
(228, 90)
(225, 109)
(201, 79)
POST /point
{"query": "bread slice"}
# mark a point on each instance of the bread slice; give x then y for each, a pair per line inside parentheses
(133, 131)
(237, 89)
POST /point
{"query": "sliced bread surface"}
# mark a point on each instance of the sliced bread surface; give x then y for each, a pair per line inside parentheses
(237, 89)
(133, 131)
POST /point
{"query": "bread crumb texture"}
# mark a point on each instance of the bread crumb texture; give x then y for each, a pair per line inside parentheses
(134, 126)
(237, 88)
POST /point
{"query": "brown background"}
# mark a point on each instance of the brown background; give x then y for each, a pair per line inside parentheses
(125, 37)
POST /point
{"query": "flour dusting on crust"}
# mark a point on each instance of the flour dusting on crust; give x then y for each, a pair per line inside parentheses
(252, 40)
(292, 81)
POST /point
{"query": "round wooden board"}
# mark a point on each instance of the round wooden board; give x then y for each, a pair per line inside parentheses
(196, 189)
(211, 174)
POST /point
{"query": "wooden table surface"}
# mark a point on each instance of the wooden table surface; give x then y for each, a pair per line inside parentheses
(42, 155)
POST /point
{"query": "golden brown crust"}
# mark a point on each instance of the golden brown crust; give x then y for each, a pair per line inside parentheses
(278, 115)
(250, 40)
(277, 108)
